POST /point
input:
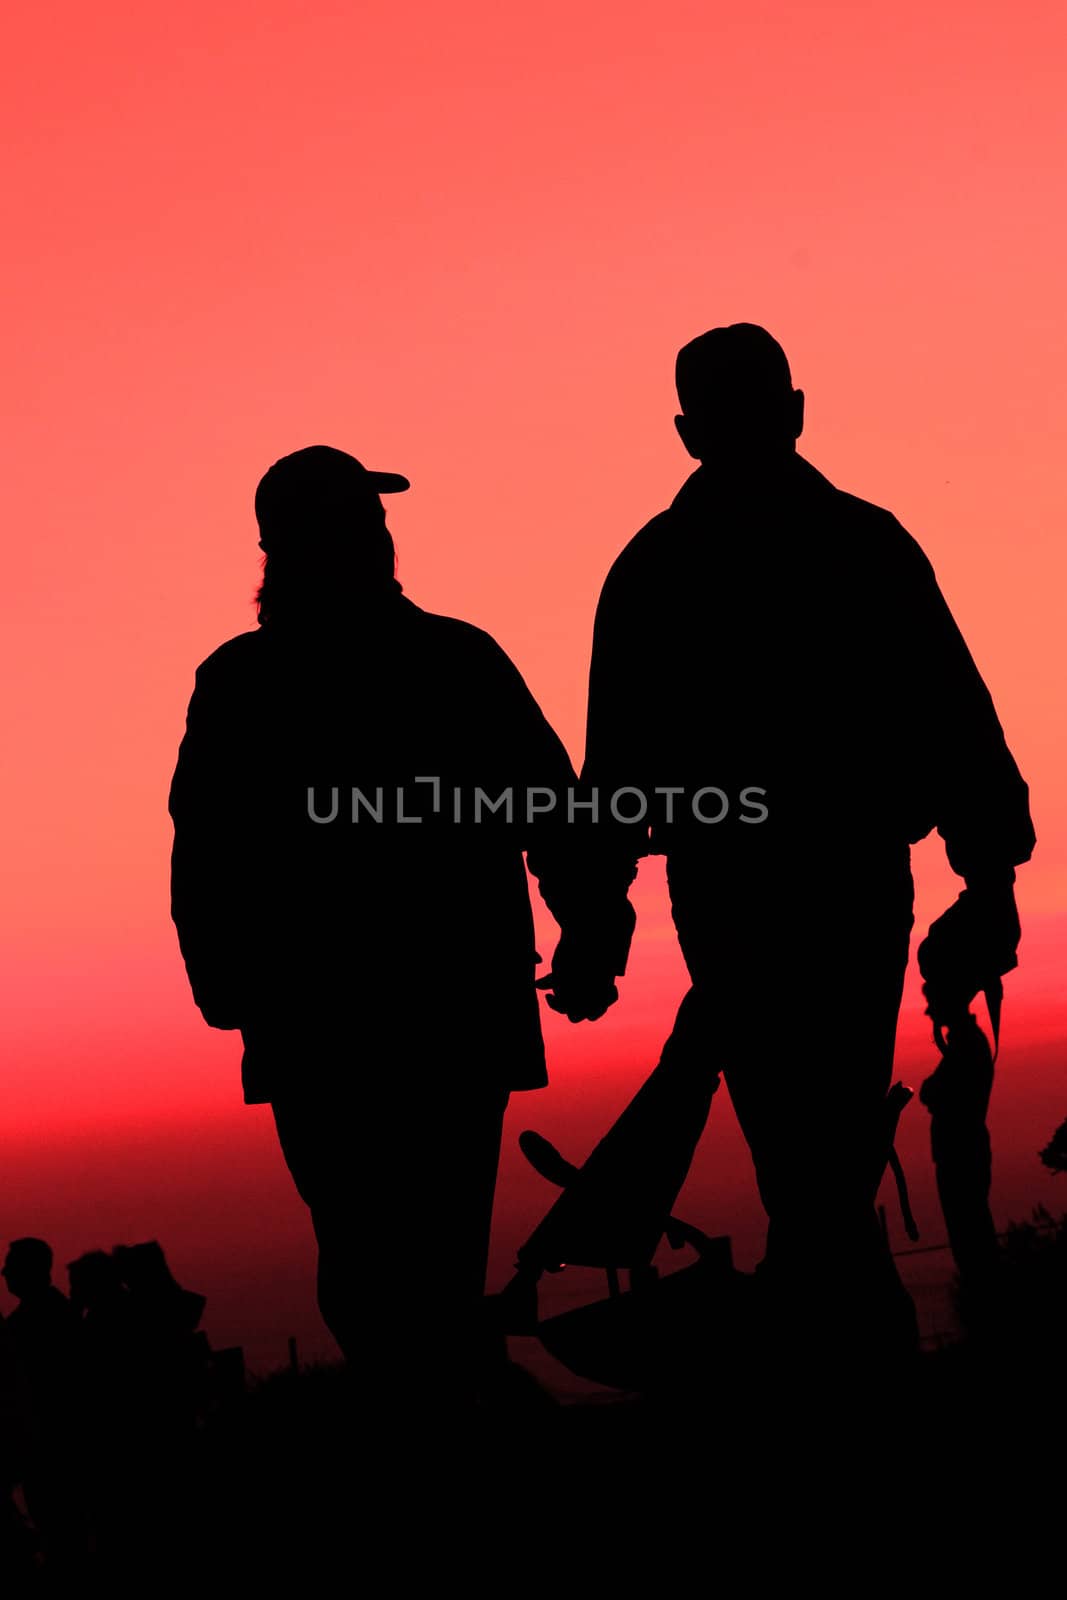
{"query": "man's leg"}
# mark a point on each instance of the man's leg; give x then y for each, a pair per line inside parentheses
(313, 1143)
(453, 1199)
(399, 1182)
(806, 981)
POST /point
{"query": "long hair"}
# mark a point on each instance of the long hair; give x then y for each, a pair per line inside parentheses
(308, 580)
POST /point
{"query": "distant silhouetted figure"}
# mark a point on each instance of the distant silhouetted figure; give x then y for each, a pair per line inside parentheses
(118, 1427)
(775, 668)
(110, 1349)
(160, 1301)
(43, 1332)
(172, 1356)
(16, 1452)
(43, 1323)
(377, 955)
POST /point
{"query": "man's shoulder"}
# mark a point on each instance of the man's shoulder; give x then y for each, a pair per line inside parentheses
(232, 655)
(647, 549)
(450, 630)
(882, 532)
(453, 638)
(866, 513)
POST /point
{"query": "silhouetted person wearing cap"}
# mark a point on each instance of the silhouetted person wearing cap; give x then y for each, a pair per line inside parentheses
(774, 657)
(376, 952)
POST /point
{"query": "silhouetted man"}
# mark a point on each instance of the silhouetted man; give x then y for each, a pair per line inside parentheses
(43, 1324)
(775, 668)
(344, 898)
(16, 1540)
(43, 1332)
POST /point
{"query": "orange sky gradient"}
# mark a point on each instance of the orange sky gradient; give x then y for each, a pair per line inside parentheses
(465, 242)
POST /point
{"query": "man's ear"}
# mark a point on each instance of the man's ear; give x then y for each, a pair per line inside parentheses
(798, 413)
(686, 434)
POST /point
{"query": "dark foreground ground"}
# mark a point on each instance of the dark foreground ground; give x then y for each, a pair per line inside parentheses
(834, 1468)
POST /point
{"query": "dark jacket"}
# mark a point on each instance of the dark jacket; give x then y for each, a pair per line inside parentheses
(795, 641)
(396, 938)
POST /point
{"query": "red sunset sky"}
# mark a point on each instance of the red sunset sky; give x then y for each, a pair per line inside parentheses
(464, 241)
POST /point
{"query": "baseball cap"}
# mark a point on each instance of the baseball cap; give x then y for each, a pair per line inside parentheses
(316, 488)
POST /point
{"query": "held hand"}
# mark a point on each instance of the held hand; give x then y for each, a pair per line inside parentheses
(970, 945)
(576, 999)
(579, 987)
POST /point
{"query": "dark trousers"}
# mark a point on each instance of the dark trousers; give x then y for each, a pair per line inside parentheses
(803, 969)
(398, 1168)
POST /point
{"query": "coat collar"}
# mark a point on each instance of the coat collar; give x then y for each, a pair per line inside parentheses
(797, 479)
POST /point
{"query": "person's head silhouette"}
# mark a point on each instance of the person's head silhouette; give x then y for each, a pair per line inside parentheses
(95, 1281)
(143, 1266)
(27, 1267)
(322, 528)
(739, 407)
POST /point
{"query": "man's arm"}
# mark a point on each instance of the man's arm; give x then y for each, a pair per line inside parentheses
(594, 910)
(980, 803)
(206, 875)
(585, 895)
(616, 721)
